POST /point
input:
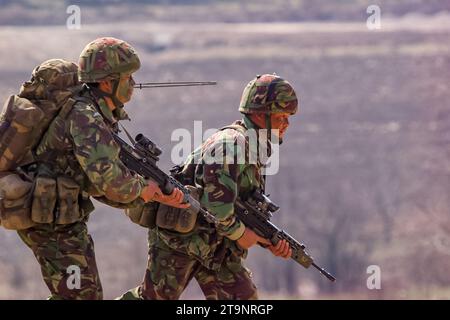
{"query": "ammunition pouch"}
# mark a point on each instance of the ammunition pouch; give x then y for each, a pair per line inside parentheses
(15, 202)
(175, 219)
(144, 215)
(68, 207)
(23, 204)
(44, 200)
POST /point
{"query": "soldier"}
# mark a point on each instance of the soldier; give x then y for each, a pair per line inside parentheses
(214, 255)
(80, 153)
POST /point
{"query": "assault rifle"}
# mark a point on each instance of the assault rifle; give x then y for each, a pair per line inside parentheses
(255, 213)
(142, 158)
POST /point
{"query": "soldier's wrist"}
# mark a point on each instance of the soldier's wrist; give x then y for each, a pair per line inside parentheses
(238, 232)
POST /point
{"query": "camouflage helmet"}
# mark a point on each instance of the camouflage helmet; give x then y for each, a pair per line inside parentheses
(106, 59)
(268, 94)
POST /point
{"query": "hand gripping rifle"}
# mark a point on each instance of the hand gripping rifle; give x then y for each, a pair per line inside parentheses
(142, 158)
(255, 213)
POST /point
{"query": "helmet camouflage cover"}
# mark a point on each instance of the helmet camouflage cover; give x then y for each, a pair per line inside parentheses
(268, 94)
(106, 59)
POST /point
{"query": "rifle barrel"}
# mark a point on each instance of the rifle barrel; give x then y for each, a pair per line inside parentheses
(324, 272)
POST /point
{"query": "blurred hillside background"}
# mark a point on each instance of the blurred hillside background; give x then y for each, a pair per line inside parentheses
(365, 168)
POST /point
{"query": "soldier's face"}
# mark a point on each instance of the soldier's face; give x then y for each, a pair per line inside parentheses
(125, 88)
(280, 122)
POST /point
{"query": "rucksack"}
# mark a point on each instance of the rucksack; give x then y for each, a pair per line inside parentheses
(26, 116)
(24, 120)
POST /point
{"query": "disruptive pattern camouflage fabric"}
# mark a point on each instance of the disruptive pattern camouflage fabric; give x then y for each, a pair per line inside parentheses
(98, 155)
(81, 147)
(169, 272)
(106, 59)
(209, 255)
(58, 248)
(268, 94)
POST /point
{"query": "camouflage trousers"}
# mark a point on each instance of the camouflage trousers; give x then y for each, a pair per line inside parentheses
(168, 274)
(66, 256)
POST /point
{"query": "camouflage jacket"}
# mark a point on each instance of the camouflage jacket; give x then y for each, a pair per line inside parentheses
(221, 184)
(79, 145)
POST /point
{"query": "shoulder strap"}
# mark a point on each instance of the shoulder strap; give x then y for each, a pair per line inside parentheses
(242, 130)
(236, 127)
(67, 107)
(63, 113)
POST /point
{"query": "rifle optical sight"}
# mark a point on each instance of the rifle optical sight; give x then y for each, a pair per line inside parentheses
(148, 145)
(264, 202)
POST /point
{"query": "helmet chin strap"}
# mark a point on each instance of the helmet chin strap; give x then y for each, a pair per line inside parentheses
(268, 123)
(113, 96)
(269, 127)
(269, 130)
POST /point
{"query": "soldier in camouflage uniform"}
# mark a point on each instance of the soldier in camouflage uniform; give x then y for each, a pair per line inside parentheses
(79, 146)
(214, 255)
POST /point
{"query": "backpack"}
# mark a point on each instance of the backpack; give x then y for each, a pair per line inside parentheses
(24, 120)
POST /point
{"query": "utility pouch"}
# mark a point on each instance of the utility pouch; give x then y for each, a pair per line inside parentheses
(175, 219)
(144, 215)
(17, 123)
(44, 200)
(15, 202)
(69, 210)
